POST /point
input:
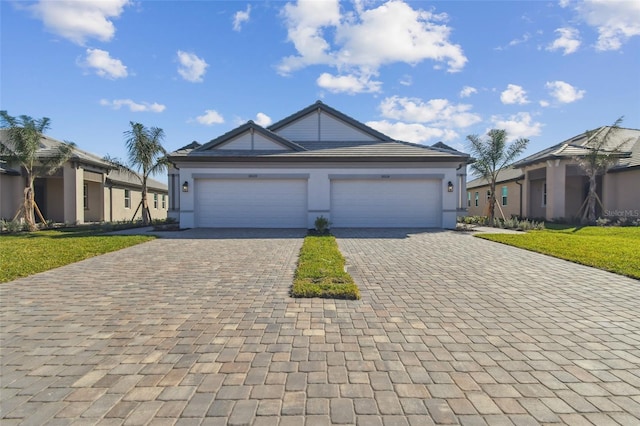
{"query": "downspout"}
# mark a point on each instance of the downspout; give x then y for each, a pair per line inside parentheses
(110, 202)
(520, 185)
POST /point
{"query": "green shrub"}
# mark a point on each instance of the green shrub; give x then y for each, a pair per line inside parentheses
(321, 224)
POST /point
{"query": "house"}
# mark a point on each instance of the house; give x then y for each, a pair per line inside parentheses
(315, 162)
(549, 184)
(85, 189)
(508, 194)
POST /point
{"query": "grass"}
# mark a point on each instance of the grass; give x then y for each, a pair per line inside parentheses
(320, 271)
(28, 253)
(613, 249)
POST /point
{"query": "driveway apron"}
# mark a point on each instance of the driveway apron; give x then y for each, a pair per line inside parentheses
(200, 329)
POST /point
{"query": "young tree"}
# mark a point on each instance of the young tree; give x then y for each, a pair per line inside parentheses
(146, 156)
(602, 154)
(24, 135)
(491, 156)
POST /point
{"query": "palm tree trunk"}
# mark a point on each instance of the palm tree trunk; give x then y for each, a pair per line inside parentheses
(28, 204)
(590, 211)
(492, 205)
(145, 206)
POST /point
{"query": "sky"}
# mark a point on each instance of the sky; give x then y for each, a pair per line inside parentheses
(418, 71)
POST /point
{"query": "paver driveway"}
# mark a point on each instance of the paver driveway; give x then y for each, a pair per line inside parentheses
(451, 329)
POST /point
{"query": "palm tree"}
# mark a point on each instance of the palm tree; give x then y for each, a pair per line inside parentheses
(147, 156)
(491, 156)
(24, 135)
(600, 157)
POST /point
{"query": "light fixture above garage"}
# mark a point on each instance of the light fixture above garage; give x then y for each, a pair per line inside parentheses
(185, 186)
(450, 186)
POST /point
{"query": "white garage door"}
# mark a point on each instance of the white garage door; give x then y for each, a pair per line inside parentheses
(388, 203)
(251, 203)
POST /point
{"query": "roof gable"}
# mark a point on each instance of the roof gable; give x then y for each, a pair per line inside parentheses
(319, 122)
(249, 137)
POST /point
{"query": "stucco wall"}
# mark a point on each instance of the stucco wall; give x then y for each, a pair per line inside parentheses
(118, 212)
(622, 194)
(574, 195)
(54, 188)
(11, 191)
(536, 209)
(513, 200)
(319, 184)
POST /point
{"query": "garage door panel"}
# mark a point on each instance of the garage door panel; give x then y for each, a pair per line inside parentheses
(251, 203)
(386, 203)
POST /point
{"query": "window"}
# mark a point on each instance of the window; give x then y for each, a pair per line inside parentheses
(164, 202)
(155, 201)
(544, 195)
(477, 197)
(85, 196)
(127, 199)
(468, 199)
(504, 195)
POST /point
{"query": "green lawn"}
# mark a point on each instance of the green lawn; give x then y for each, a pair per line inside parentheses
(29, 253)
(614, 249)
(320, 271)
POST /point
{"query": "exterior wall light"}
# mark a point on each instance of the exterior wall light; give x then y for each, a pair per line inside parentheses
(185, 186)
(450, 186)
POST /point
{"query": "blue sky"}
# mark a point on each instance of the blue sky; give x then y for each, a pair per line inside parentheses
(418, 71)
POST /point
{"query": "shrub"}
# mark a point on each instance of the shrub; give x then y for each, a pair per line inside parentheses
(321, 224)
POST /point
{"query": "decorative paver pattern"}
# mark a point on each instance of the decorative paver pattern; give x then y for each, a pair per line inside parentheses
(199, 329)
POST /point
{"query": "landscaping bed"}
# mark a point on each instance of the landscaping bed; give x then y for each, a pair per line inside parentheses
(321, 271)
(613, 249)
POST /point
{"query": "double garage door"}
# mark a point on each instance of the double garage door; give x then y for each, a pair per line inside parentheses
(283, 203)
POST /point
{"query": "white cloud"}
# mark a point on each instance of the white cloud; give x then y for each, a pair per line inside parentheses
(467, 91)
(133, 106)
(516, 41)
(209, 118)
(616, 21)
(263, 119)
(241, 17)
(564, 92)
(438, 112)
(412, 132)
(366, 39)
(514, 94)
(520, 125)
(406, 80)
(104, 65)
(543, 103)
(350, 84)
(80, 20)
(191, 67)
(569, 40)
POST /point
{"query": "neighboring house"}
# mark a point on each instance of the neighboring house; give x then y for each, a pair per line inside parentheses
(508, 195)
(316, 162)
(549, 184)
(85, 189)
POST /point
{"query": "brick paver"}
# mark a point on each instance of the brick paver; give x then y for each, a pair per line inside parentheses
(199, 329)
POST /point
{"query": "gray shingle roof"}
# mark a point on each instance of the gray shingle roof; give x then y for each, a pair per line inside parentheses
(628, 141)
(505, 175)
(49, 146)
(119, 177)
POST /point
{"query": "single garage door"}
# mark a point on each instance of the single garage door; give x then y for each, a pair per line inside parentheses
(386, 203)
(251, 203)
